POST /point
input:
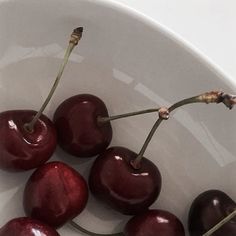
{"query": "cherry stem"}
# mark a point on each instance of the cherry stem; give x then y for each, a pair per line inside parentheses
(85, 231)
(107, 119)
(74, 39)
(209, 97)
(220, 224)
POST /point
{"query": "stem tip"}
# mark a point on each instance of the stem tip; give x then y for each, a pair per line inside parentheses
(78, 30)
(76, 35)
(229, 100)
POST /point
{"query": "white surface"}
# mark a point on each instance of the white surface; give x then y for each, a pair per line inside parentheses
(209, 25)
(131, 63)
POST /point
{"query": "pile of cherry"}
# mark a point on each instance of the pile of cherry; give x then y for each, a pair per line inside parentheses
(56, 193)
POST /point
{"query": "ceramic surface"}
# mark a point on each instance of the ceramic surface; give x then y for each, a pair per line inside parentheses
(131, 63)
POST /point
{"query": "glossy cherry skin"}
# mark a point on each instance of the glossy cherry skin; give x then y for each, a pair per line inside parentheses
(20, 149)
(208, 209)
(25, 226)
(79, 131)
(113, 180)
(154, 223)
(55, 193)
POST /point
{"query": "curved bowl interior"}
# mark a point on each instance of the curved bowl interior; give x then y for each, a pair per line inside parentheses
(131, 64)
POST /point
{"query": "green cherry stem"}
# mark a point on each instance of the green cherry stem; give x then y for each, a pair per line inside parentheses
(209, 97)
(220, 224)
(204, 98)
(87, 232)
(74, 39)
(116, 117)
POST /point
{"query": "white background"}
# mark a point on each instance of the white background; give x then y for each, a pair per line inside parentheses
(209, 25)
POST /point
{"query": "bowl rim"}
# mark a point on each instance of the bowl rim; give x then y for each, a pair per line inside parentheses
(190, 48)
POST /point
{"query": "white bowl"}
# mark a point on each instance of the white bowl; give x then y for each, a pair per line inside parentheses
(131, 63)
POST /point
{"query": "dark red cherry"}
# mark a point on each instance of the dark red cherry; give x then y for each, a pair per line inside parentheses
(55, 193)
(25, 226)
(208, 209)
(154, 223)
(21, 149)
(79, 131)
(128, 190)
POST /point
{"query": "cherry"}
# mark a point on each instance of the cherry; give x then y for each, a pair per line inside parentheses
(28, 138)
(153, 223)
(25, 226)
(207, 210)
(79, 133)
(55, 193)
(23, 150)
(128, 190)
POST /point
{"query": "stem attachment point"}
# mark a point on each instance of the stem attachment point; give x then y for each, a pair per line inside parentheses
(135, 164)
(164, 113)
(28, 128)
